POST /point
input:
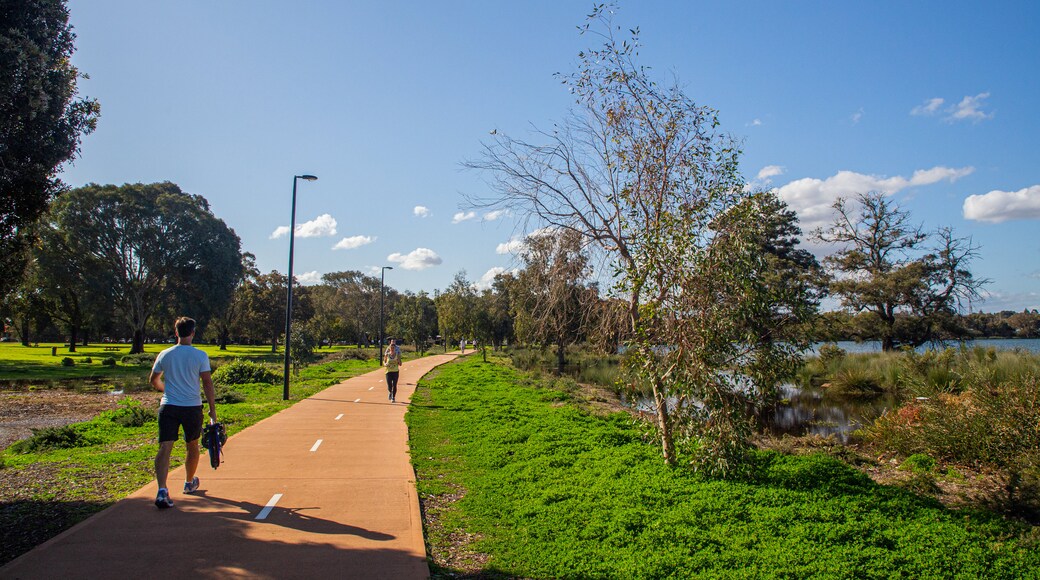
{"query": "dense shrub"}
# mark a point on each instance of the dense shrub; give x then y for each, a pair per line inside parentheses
(994, 425)
(108, 362)
(854, 382)
(240, 372)
(831, 352)
(226, 396)
(68, 362)
(132, 414)
(138, 359)
(49, 438)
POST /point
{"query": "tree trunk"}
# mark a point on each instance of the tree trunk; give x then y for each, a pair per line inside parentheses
(223, 339)
(661, 406)
(25, 333)
(137, 346)
(73, 337)
(560, 357)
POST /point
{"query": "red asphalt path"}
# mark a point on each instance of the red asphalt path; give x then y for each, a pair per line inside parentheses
(323, 489)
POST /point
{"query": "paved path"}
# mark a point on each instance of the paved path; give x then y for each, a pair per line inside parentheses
(323, 489)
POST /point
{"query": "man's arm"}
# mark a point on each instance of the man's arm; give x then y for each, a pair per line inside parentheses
(157, 382)
(207, 386)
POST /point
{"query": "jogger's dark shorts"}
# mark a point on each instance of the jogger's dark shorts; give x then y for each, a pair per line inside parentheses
(172, 417)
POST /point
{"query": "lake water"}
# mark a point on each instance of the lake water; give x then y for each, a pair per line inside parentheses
(1027, 344)
(808, 412)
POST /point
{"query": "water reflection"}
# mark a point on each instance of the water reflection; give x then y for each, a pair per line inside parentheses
(811, 412)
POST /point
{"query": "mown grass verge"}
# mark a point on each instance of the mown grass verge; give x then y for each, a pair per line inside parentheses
(72, 472)
(517, 482)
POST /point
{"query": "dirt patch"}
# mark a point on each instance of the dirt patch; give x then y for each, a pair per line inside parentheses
(23, 411)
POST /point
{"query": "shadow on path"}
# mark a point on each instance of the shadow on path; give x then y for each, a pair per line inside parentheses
(291, 517)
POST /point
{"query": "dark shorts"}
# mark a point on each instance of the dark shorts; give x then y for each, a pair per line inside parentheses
(173, 417)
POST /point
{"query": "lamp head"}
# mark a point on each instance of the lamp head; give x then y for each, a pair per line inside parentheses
(308, 177)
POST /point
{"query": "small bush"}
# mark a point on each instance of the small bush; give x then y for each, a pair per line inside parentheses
(918, 463)
(241, 372)
(227, 396)
(854, 382)
(48, 438)
(138, 359)
(88, 360)
(132, 414)
(108, 362)
(68, 362)
(832, 352)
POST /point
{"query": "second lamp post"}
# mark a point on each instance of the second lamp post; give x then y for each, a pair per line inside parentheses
(288, 299)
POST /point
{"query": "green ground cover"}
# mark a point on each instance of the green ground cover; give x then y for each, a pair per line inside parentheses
(548, 491)
(36, 363)
(63, 475)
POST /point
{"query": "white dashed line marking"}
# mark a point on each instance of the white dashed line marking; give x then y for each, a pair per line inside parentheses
(316, 445)
(270, 506)
(370, 388)
(340, 416)
(357, 400)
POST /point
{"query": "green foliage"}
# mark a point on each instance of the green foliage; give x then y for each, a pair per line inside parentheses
(831, 353)
(225, 396)
(108, 362)
(301, 349)
(551, 492)
(42, 119)
(854, 382)
(68, 362)
(992, 424)
(239, 371)
(132, 414)
(48, 438)
(138, 359)
(918, 463)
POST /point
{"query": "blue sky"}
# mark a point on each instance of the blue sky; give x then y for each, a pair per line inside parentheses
(935, 103)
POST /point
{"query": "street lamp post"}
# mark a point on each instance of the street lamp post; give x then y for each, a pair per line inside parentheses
(382, 277)
(288, 299)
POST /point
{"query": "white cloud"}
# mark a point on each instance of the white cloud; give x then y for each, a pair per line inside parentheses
(308, 278)
(353, 242)
(812, 198)
(513, 246)
(756, 123)
(421, 211)
(969, 109)
(488, 278)
(496, 214)
(999, 206)
(463, 216)
(770, 171)
(321, 226)
(417, 259)
(857, 116)
(930, 107)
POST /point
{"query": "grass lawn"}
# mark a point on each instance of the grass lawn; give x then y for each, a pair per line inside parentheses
(37, 364)
(516, 481)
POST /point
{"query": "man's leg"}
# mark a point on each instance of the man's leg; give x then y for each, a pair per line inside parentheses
(162, 463)
(191, 462)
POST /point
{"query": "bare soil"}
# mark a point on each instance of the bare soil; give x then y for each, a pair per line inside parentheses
(22, 411)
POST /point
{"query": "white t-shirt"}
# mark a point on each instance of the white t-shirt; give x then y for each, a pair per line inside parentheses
(180, 366)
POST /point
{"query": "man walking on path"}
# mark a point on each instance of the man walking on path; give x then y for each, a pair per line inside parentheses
(176, 375)
(393, 368)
